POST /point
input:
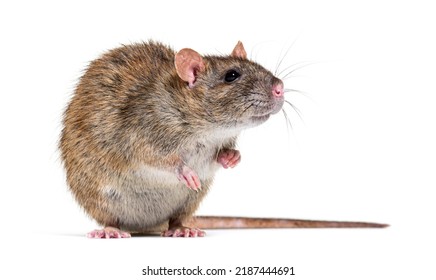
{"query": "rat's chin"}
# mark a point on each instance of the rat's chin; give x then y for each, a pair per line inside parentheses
(278, 107)
(260, 119)
(264, 117)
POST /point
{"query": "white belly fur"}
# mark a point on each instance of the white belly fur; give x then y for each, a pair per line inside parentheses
(148, 196)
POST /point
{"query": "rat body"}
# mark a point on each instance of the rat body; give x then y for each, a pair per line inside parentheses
(147, 128)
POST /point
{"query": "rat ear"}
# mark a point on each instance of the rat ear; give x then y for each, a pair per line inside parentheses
(188, 62)
(239, 51)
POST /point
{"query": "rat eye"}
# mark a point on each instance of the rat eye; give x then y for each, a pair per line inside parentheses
(231, 76)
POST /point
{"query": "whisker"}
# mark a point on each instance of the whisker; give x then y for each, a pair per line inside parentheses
(255, 47)
(297, 68)
(295, 109)
(303, 93)
(288, 122)
(293, 65)
(294, 90)
(248, 107)
(279, 63)
(291, 90)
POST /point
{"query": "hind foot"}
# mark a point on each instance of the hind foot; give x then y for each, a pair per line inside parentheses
(182, 231)
(108, 232)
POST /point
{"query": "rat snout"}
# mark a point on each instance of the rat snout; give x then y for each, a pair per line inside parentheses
(278, 90)
(278, 93)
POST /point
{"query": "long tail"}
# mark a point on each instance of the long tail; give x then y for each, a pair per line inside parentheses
(217, 222)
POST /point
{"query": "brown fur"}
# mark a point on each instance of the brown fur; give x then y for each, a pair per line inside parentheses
(133, 123)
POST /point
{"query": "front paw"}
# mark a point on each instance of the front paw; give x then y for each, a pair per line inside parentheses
(188, 176)
(229, 158)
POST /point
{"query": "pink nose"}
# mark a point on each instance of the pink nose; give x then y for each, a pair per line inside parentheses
(278, 90)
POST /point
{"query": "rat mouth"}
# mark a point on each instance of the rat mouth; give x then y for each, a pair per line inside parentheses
(270, 111)
(264, 109)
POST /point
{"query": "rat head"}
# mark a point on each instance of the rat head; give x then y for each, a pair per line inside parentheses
(234, 91)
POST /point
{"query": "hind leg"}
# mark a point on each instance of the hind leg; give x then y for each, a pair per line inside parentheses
(110, 222)
(177, 224)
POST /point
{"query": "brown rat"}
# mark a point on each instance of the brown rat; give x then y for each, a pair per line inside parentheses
(147, 128)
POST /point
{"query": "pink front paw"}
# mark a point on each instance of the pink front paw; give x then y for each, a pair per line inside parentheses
(229, 158)
(189, 177)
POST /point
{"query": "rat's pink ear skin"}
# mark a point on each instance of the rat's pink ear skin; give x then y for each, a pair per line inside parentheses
(239, 51)
(188, 62)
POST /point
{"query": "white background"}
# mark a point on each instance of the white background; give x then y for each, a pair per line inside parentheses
(363, 150)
